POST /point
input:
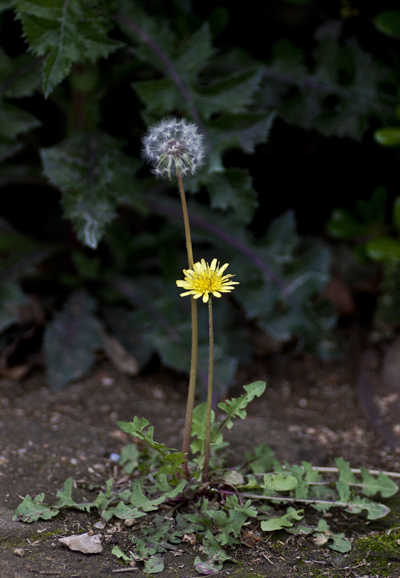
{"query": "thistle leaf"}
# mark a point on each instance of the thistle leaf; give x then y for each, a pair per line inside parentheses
(94, 176)
(65, 33)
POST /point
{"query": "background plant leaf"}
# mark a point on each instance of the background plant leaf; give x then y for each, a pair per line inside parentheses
(71, 339)
(64, 33)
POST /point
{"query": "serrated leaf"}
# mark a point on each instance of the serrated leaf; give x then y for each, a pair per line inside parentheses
(279, 482)
(194, 53)
(126, 511)
(136, 428)
(139, 500)
(236, 407)
(159, 95)
(343, 489)
(93, 175)
(65, 33)
(231, 94)
(5, 5)
(232, 189)
(336, 95)
(15, 121)
(168, 490)
(9, 149)
(65, 495)
(116, 551)
(31, 510)
(371, 485)
(70, 340)
(287, 521)
(19, 76)
(231, 522)
(244, 130)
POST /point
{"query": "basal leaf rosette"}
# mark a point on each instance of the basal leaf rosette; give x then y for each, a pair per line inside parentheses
(174, 146)
(205, 280)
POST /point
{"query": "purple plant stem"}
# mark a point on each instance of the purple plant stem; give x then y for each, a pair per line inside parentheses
(166, 209)
(146, 39)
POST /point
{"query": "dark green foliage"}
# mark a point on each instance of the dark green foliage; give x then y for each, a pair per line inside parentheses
(71, 339)
(115, 68)
(19, 77)
(369, 231)
(337, 94)
(64, 33)
(11, 297)
(94, 176)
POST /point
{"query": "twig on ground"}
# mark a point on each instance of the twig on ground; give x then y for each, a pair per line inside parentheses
(268, 559)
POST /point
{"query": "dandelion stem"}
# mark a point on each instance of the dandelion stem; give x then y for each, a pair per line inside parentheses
(209, 391)
(193, 362)
(186, 221)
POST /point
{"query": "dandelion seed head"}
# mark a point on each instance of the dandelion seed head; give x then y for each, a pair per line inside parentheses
(205, 280)
(174, 146)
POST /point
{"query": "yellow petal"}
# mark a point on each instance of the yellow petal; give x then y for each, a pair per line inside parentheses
(222, 269)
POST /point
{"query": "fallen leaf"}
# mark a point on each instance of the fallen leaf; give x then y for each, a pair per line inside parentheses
(190, 538)
(83, 543)
(118, 355)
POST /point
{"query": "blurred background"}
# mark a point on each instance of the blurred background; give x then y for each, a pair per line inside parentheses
(298, 101)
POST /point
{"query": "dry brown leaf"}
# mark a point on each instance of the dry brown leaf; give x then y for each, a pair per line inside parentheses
(118, 355)
(83, 543)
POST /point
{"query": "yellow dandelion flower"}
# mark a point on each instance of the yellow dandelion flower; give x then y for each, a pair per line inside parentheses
(205, 279)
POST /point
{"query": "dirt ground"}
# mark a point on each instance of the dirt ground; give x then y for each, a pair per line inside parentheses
(312, 411)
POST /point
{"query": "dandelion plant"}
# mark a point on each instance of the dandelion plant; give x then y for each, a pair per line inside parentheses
(175, 148)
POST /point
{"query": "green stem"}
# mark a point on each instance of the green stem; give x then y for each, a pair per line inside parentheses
(209, 392)
(193, 363)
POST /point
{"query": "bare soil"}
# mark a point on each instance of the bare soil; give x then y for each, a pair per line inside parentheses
(311, 411)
